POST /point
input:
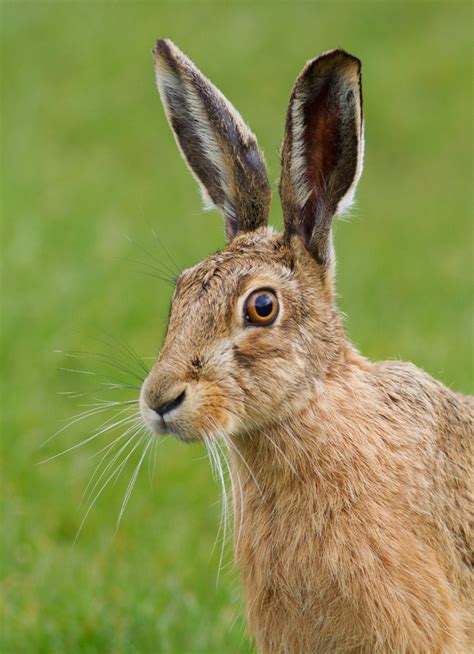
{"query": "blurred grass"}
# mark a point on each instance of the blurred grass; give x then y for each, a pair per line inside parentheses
(87, 156)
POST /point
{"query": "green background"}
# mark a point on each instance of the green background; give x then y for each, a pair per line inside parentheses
(88, 162)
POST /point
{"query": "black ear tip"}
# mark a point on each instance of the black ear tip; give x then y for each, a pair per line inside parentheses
(340, 52)
(352, 60)
(338, 58)
(163, 48)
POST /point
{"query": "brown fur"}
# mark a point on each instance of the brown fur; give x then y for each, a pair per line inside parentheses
(350, 479)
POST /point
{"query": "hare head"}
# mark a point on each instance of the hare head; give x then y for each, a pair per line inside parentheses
(254, 328)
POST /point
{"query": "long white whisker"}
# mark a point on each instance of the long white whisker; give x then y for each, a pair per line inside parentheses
(155, 454)
(98, 357)
(283, 455)
(211, 455)
(241, 494)
(111, 403)
(133, 480)
(108, 448)
(77, 418)
(224, 510)
(72, 421)
(136, 430)
(104, 386)
(152, 461)
(224, 518)
(230, 442)
(90, 438)
(229, 473)
(80, 372)
(297, 443)
(115, 473)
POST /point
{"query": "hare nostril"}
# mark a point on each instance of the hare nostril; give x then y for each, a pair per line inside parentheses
(168, 406)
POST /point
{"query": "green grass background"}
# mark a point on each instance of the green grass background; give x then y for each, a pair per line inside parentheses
(87, 157)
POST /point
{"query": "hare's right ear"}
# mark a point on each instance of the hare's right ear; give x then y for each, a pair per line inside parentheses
(219, 148)
(322, 151)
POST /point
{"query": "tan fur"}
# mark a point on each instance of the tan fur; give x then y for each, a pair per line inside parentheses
(351, 479)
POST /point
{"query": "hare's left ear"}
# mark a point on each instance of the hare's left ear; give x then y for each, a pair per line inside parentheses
(219, 148)
(322, 151)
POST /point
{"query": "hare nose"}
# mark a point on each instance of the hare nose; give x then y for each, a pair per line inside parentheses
(169, 405)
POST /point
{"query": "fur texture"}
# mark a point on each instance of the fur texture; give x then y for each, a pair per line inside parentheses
(219, 148)
(351, 479)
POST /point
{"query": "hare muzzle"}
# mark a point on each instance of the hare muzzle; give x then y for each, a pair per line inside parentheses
(192, 410)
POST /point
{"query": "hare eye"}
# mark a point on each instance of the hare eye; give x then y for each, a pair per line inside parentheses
(261, 307)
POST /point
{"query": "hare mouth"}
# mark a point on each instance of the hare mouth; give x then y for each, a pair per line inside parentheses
(191, 412)
(184, 428)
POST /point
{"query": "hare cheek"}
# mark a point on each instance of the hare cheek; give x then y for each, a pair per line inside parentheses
(212, 412)
(220, 420)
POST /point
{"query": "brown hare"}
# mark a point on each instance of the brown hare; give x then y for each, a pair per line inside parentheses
(350, 478)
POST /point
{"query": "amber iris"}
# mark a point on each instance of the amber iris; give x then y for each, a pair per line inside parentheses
(261, 307)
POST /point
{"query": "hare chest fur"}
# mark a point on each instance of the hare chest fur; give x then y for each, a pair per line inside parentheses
(346, 544)
(350, 479)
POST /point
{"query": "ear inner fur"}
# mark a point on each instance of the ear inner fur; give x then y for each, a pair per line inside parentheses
(322, 149)
(219, 148)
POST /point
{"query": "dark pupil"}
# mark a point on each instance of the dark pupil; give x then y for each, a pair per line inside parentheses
(263, 305)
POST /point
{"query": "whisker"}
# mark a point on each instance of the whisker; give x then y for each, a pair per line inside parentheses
(230, 476)
(123, 418)
(100, 402)
(116, 474)
(166, 273)
(75, 419)
(163, 266)
(107, 377)
(89, 438)
(234, 502)
(209, 455)
(152, 461)
(132, 481)
(155, 452)
(314, 467)
(228, 441)
(282, 454)
(157, 265)
(105, 451)
(127, 349)
(165, 250)
(296, 442)
(103, 387)
(99, 357)
(110, 445)
(223, 521)
(162, 279)
(79, 372)
(136, 430)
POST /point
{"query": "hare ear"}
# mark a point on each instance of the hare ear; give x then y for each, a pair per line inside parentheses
(219, 148)
(322, 152)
